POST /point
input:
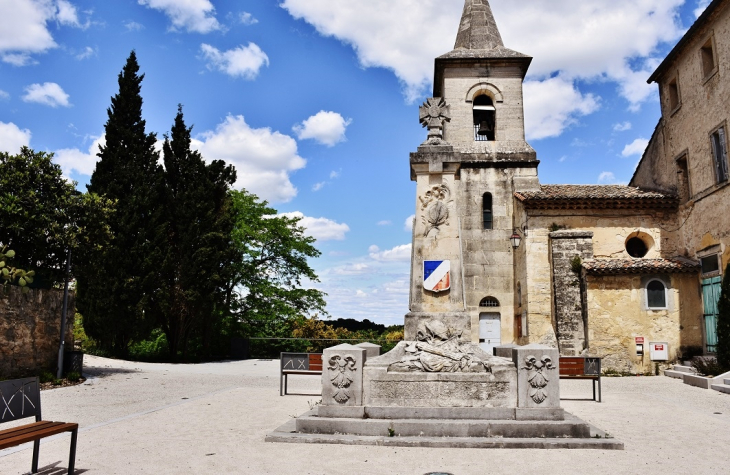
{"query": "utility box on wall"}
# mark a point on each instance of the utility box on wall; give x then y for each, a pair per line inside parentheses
(659, 351)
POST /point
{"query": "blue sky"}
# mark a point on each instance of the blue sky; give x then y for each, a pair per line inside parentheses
(316, 101)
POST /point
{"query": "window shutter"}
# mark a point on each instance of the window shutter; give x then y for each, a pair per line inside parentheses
(722, 166)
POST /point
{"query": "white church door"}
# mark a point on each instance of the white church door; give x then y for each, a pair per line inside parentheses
(490, 331)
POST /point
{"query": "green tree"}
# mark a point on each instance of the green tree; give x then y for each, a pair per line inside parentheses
(43, 216)
(268, 289)
(197, 254)
(117, 293)
(723, 323)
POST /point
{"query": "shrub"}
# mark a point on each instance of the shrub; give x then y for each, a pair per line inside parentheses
(73, 376)
(707, 366)
(47, 377)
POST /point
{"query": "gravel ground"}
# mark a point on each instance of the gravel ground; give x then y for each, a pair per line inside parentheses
(139, 418)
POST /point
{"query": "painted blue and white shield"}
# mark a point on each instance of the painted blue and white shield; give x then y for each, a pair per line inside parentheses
(436, 275)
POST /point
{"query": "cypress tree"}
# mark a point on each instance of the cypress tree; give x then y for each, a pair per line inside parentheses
(723, 322)
(198, 249)
(116, 295)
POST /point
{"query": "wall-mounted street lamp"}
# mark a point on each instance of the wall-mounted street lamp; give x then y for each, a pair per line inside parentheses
(515, 239)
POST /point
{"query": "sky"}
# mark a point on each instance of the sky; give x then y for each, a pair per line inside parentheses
(316, 102)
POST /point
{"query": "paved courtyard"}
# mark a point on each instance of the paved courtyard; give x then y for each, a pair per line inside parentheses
(138, 418)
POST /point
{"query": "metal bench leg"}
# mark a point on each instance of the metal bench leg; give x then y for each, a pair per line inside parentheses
(594, 389)
(281, 385)
(72, 454)
(600, 398)
(286, 383)
(36, 450)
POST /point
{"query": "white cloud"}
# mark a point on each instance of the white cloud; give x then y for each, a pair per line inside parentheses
(319, 186)
(606, 177)
(622, 127)
(636, 147)
(322, 229)
(578, 40)
(408, 224)
(247, 19)
(554, 105)
(385, 223)
(351, 269)
(191, 15)
(48, 93)
(23, 29)
(327, 128)
(12, 138)
(4, 95)
(373, 248)
(244, 61)
(360, 294)
(88, 52)
(263, 159)
(67, 15)
(334, 174)
(82, 162)
(397, 254)
(133, 26)
(701, 6)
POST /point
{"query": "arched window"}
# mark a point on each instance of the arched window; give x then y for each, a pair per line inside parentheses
(487, 218)
(484, 118)
(489, 302)
(636, 247)
(656, 294)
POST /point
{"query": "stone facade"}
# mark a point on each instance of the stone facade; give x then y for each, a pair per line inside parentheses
(568, 249)
(30, 326)
(694, 95)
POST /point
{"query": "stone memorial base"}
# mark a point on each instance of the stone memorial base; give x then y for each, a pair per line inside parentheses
(484, 402)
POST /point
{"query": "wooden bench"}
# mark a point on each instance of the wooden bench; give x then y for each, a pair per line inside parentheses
(21, 398)
(582, 367)
(298, 363)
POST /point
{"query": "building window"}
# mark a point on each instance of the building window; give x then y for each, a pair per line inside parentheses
(519, 294)
(656, 295)
(710, 264)
(707, 53)
(719, 154)
(489, 302)
(636, 247)
(673, 95)
(487, 218)
(683, 179)
(484, 118)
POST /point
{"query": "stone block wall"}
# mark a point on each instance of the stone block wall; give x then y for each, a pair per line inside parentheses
(568, 288)
(30, 326)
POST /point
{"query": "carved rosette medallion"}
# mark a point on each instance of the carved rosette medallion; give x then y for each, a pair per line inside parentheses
(432, 114)
(435, 206)
(537, 376)
(340, 374)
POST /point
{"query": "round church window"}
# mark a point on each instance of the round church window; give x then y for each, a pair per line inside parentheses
(636, 247)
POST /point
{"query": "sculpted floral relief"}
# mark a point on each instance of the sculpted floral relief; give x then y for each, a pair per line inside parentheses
(340, 373)
(538, 376)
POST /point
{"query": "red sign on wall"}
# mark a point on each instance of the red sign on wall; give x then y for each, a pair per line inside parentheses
(659, 347)
(639, 340)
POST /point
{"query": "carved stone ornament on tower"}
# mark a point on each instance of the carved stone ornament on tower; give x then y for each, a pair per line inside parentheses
(432, 114)
(435, 207)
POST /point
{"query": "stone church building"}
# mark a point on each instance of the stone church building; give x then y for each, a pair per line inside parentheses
(593, 269)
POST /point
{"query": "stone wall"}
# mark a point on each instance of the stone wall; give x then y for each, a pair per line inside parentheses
(30, 325)
(618, 314)
(568, 288)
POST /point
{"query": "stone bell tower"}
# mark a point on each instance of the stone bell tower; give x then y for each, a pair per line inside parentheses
(474, 159)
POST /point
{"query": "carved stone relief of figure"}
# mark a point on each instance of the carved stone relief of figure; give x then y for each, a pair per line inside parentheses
(439, 349)
(435, 206)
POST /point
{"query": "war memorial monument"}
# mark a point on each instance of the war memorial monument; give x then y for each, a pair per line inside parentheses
(441, 387)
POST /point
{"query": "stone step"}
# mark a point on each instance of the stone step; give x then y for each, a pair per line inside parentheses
(726, 381)
(572, 428)
(447, 442)
(459, 413)
(683, 369)
(723, 388)
(674, 374)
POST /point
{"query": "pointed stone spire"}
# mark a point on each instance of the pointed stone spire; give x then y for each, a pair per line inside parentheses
(478, 30)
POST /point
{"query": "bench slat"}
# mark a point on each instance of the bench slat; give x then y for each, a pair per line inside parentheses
(8, 433)
(55, 428)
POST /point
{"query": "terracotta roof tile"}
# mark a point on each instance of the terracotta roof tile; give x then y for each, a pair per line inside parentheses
(595, 196)
(674, 265)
